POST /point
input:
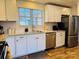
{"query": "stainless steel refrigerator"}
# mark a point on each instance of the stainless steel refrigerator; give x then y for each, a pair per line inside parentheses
(71, 27)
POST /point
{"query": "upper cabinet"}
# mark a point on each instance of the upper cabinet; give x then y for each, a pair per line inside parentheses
(8, 10)
(2, 10)
(57, 14)
(11, 10)
(66, 11)
(52, 13)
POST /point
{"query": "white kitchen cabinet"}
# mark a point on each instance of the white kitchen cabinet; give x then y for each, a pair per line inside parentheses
(52, 13)
(32, 44)
(49, 13)
(66, 11)
(57, 15)
(60, 38)
(26, 44)
(11, 10)
(36, 43)
(41, 42)
(2, 10)
(21, 45)
(11, 42)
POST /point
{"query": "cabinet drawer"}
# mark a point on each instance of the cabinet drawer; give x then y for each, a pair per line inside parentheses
(60, 33)
(60, 38)
(39, 36)
(21, 37)
(63, 33)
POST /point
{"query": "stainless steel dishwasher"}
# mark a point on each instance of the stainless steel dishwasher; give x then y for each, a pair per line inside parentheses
(50, 40)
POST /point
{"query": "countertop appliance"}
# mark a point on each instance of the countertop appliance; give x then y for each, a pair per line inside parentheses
(55, 27)
(59, 26)
(26, 29)
(1, 30)
(50, 40)
(71, 25)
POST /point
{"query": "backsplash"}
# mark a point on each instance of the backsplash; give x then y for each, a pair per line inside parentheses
(21, 29)
(7, 25)
(48, 26)
(13, 25)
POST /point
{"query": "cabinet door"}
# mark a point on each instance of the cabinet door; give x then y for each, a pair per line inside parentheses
(63, 37)
(11, 43)
(66, 11)
(49, 13)
(41, 41)
(32, 44)
(57, 14)
(21, 48)
(11, 10)
(60, 39)
(52, 13)
(2, 10)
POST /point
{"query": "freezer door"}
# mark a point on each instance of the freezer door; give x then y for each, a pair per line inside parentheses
(75, 18)
(72, 41)
(73, 26)
(65, 20)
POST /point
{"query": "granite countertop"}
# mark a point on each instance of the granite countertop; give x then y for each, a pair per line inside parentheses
(46, 31)
(31, 33)
(28, 33)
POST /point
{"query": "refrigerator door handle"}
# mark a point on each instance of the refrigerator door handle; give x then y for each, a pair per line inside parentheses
(75, 25)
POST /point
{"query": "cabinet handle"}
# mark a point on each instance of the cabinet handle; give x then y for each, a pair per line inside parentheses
(17, 40)
(37, 38)
(21, 37)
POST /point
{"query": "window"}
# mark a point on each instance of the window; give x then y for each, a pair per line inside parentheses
(30, 17)
(37, 17)
(24, 15)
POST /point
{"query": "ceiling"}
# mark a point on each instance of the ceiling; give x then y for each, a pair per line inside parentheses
(61, 2)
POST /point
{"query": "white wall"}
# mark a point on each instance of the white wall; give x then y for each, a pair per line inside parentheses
(48, 26)
(20, 29)
(7, 25)
(31, 5)
(14, 25)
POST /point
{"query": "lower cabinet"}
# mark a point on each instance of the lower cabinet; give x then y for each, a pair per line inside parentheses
(36, 43)
(60, 38)
(32, 44)
(41, 42)
(21, 48)
(11, 42)
(26, 44)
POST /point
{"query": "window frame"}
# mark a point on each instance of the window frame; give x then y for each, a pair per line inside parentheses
(31, 17)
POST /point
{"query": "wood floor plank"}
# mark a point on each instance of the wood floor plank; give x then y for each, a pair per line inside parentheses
(58, 53)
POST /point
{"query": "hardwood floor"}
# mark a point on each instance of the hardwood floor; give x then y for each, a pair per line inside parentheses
(59, 53)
